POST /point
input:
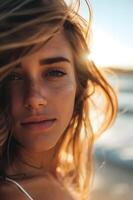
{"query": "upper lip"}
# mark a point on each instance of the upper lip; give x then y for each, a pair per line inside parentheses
(33, 119)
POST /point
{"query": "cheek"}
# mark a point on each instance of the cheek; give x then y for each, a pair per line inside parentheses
(15, 101)
(65, 100)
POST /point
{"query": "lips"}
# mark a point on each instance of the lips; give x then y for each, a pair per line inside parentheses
(38, 123)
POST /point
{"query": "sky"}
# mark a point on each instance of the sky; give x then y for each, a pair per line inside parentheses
(112, 43)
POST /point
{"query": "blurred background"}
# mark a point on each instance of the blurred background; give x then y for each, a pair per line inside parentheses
(112, 47)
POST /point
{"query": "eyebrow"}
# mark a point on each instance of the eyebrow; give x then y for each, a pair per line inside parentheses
(53, 60)
(49, 61)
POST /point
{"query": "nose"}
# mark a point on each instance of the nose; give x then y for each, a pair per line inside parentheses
(35, 99)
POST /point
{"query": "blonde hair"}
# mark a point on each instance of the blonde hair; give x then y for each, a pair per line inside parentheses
(25, 26)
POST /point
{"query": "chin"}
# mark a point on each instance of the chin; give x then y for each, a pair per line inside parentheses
(41, 146)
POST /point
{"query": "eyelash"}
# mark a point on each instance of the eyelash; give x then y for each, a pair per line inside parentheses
(55, 73)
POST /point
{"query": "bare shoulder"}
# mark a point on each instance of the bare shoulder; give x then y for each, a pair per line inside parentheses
(44, 187)
(7, 192)
(4, 190)
(53, 187)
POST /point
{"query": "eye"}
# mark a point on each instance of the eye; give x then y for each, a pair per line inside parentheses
(14, 76)
(55, 73)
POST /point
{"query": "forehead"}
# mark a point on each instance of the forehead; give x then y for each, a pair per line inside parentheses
(58, 46)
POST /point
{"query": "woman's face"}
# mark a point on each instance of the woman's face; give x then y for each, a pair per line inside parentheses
(42, 95)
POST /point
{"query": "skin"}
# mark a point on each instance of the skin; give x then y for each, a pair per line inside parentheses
(41, 188)
(42, 88)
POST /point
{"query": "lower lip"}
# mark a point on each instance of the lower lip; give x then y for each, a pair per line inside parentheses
(40, 126)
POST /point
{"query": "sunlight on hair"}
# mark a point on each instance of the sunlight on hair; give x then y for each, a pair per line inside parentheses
(89, 56)
(65, 155)
(68, 2)
(97, 116)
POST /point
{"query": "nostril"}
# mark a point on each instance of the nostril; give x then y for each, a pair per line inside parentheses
(35, 103)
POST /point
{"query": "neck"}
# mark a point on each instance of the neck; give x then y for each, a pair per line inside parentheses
(32, 163)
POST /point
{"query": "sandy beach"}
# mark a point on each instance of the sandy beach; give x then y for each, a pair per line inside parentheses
(112, 182)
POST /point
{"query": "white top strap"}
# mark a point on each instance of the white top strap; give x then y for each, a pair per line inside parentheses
(20, 187)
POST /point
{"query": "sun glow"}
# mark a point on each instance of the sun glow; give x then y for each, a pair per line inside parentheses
(106, 51)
